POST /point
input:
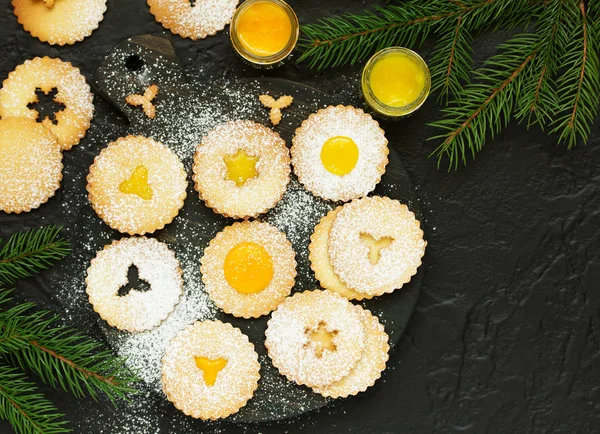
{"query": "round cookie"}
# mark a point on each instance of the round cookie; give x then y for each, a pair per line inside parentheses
(248, 269)
(315, 338)
(241, 169)
(204, 18)
(137, 185)
(45, 73)
(339, 153)
(375, 245)
(319, 259)
(59, 22)
(370, 366)
(210, 370)
(135, 311)
(30, 165)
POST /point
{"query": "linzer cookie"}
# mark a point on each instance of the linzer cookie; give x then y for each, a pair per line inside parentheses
(30, 165)
(60, 22)
(194, 20)
(44, 73)
(241, 169)
(136, 310)
(339, 153)
(210, 370)
(315, 338)
(248, 269)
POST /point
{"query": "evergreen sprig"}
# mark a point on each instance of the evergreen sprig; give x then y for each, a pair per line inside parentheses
(29, 252)
(549, 76)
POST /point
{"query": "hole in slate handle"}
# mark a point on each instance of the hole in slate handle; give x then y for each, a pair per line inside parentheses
(134, 63)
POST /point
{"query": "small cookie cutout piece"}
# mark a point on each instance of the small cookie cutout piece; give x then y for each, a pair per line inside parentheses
(375, 245)
(339, 153)
(60, 22)
(137, 185)
(135, 310)
(248, 269)
(45, 73)
(315, 338)
(371, 364)
(241, 169)
(210, 370)
(276, 105)
(319, 259)
(145, 101)
(30, 165)
(193, 20)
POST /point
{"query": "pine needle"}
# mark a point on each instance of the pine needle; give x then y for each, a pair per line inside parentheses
(24, 408)
(29, 252)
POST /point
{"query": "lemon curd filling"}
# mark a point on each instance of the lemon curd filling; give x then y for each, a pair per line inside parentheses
(138, 184)
(241, 167)
(397, 80)
(339, 155)
(264, 28)
(211, 368)
(321, 339)
(248, 268)
(375, 246)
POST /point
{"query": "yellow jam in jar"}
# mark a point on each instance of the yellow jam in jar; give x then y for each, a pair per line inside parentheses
(396, 81)
(339, 155)
(264, 28)
(248, 268)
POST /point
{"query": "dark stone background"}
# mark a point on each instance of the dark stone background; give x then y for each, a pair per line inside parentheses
(506, 335)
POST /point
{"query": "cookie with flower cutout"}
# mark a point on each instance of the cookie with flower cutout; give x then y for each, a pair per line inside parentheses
(315, 338)
(30, 165)
(193, 19)
(72, 91)
(110, 290)
(60, 22)
(371, 364)
(375, 245)
(339, 153)
(249, 268)
(137, 185)
(241, 169)
(210, 370)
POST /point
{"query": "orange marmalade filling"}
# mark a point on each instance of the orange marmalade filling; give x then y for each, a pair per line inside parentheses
(339, 155)
(211, 368)
(264, 28)
(241, 167)
(138, 184)
(248, 268)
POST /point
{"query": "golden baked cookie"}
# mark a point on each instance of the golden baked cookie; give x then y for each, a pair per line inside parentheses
(339, 153)
(44, 73)
(60, 22)
(137, 185)
(241, 169)
(249, 268)
(375, 245)
(210, 370)
(319, 259)
(30, 165)
(195, 20)
(371, 364)
(315, 338)
(136, 310)
(275, 106)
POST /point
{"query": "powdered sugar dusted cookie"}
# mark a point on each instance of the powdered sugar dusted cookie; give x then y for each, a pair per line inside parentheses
(60, 22)
(137, 310)
(210, 370)
(195, 19)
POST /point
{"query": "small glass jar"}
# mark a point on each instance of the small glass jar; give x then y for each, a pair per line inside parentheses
(386, 109)
(268, 60)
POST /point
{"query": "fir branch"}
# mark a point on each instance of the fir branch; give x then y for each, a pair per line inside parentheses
(61, 356)
(29, 252)
(579, 85)
(485, 106)
(24, 408)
